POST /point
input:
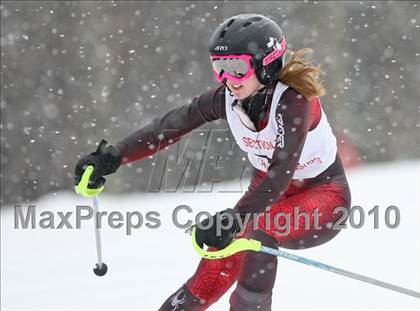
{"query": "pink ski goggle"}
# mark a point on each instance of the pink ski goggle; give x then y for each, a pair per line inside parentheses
(235, 68)
(238, 67)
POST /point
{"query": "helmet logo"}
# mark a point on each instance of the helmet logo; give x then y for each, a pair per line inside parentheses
(221, 48)
(271, 42)
(278, 51)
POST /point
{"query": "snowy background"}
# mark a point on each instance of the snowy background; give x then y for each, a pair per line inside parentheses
(73, 73)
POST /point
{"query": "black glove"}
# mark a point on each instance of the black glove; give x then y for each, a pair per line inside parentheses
(209, 236)
(105, 160)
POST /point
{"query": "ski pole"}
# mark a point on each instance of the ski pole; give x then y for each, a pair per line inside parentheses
(100, 268)
(243, 244)
(82, 188)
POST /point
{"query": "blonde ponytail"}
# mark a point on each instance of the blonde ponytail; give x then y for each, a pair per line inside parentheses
(301, 75)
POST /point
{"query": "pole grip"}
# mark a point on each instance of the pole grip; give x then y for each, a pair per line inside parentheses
(83, 189)
(236, 246)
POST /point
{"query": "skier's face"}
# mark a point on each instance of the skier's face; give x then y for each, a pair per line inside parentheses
(245, 88)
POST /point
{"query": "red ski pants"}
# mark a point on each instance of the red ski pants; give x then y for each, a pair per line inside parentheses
(214, 277)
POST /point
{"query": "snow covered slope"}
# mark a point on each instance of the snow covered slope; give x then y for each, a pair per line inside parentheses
(51, 269)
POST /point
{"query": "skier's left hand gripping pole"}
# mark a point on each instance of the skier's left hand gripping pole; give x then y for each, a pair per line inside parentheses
(243, 244)
(91, 191)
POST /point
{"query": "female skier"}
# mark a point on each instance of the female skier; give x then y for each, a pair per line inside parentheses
(272, 107)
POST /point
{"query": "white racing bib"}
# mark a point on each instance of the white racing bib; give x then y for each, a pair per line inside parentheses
(319, 150)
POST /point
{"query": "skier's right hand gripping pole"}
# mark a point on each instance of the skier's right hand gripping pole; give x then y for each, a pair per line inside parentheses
(90, 169)
(89, 182)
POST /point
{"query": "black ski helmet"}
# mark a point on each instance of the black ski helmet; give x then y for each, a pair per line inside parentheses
(251, 34)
